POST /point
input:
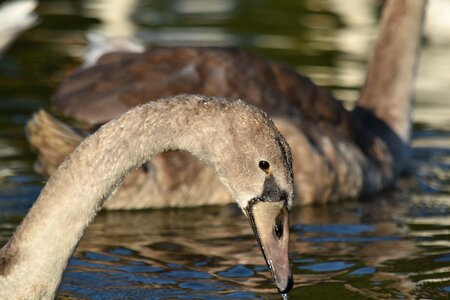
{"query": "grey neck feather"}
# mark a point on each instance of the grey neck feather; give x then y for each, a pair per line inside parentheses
(34, 260)
(388, 90)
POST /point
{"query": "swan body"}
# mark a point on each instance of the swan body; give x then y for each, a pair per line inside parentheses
(33, 261)
(338, 153)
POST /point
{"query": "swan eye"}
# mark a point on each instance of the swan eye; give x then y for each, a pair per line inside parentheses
(264, 165)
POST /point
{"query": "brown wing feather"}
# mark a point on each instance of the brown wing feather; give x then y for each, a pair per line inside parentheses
(123, 80)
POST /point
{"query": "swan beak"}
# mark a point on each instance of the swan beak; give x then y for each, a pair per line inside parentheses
(270, 223)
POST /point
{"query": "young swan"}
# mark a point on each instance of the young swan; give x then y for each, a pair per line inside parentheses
(241, 144)
(338, 154)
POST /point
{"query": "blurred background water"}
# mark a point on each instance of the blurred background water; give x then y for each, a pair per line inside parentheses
(393, 246)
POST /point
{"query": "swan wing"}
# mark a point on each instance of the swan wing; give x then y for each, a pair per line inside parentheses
(122, 80)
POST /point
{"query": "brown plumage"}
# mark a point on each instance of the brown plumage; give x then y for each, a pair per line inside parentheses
(338, 154)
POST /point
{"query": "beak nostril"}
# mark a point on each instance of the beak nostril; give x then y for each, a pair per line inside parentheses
(278, 230)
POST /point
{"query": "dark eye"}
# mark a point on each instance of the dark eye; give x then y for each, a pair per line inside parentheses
(264, 165)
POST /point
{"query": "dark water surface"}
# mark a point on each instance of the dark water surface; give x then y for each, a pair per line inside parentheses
(393, 246)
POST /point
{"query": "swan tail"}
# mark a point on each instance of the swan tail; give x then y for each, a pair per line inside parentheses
(52, 140)
(388, 90)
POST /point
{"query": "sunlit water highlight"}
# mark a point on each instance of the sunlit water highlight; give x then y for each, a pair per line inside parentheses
(393, 246)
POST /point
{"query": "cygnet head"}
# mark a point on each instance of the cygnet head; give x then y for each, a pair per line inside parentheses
(255, 164)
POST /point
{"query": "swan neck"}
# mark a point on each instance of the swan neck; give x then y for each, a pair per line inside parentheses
(39, 251)
(388, 89)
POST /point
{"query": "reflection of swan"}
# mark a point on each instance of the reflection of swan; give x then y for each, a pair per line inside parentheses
(338, 154)
(15, 17)
(116, 31)
(247, 152)
(114, 16)
(386, 241)
(180, 237)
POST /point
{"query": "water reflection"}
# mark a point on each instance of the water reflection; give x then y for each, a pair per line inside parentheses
(198, 250)
(15, 17)
(211, 251)
(114, 16)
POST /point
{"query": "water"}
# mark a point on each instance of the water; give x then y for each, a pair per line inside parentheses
(393, 246)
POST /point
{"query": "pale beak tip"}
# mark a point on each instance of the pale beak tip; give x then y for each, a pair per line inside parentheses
(270, 223)
(285, 288)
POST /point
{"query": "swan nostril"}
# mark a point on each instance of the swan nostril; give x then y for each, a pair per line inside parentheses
(278, 230)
